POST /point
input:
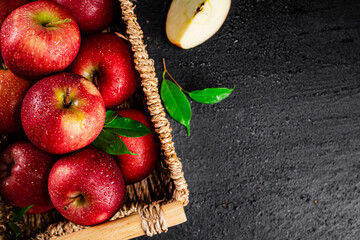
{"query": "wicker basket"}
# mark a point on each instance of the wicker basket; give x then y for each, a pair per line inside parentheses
(152, 205)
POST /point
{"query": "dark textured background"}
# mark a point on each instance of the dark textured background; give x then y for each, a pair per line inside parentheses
(278, 159)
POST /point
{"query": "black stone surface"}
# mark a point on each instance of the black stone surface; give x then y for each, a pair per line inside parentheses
(278, 159)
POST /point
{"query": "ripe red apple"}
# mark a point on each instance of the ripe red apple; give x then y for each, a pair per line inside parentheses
(137, 167)
(24, 171)
(12, 92)
(39, 38)
(105, 59)
(92, 16)
(6, 7)
(62, 113)
(87, 186)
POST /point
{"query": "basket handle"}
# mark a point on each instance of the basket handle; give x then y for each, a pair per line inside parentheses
(127, 227)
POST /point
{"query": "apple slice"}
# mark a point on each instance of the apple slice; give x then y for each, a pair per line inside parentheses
(192, 22)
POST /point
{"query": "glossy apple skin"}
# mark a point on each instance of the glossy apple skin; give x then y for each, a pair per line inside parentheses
(60, 129)
(109, 57)
(137, 167)
(33, 51)
(12, 92)
(24, 172)
(91, 15)
(95, 177)
(6, 7)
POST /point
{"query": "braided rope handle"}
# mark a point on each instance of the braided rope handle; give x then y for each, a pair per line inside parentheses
(145, 66)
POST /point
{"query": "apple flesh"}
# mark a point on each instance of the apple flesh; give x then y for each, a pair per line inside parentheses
(62, 113)
(105, 59)
(191, 22)
(24, 172)
(137, 167)
(92, 16)
(12, 92)
(6, 7)
(87, 186)
(39, 38)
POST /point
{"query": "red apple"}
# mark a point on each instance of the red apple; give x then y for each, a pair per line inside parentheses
(137, 167)
(12, 92)
(24, 171)
(6, 7)
(105, 59)
(39, 38)
(92, 16)
(62, 113)
(87, 187)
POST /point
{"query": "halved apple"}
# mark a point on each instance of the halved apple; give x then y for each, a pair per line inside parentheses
(192, 22)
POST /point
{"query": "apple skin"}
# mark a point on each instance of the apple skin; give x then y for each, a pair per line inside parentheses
(62, 113)
(87, 186)
(107, 57)
(30, 49)
(137, 167)
(12, 92)
(24, 172)
(92, 16)
(7, 7)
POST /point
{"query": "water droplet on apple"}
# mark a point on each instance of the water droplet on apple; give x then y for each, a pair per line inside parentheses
(16, 55)
(43, 145)
(31, 32)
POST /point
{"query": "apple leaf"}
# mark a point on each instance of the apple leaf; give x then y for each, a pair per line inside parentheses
(110, 116)
(110, 143)
(210, 95)
(176, 103)
(127, 127)
(18, 214)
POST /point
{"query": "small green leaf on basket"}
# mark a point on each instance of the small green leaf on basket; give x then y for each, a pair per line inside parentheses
(176, 103)
(18, 214)
(127, 127)
(110, 143)
(15, 229)
(210, 95)
(110, 116)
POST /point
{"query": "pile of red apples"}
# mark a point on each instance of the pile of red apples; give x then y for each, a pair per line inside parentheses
(62, 75)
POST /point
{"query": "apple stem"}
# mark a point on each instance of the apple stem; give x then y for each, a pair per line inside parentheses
(67, 99)
(165, 69)
(3, 66)
(96, 76)
(66, 207)
(53, 24)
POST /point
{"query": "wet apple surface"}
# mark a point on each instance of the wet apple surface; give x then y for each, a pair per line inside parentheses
(12, 93)
(24, 171)
(62, 113)
(38, 39)
(105, 59)
(87, 187)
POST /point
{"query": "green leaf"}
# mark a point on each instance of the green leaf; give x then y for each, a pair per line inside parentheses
(127, 127)
(110, 116)
(109, 142)
(210, 95)
(18, 214)
(15, 229)
(176, 103)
